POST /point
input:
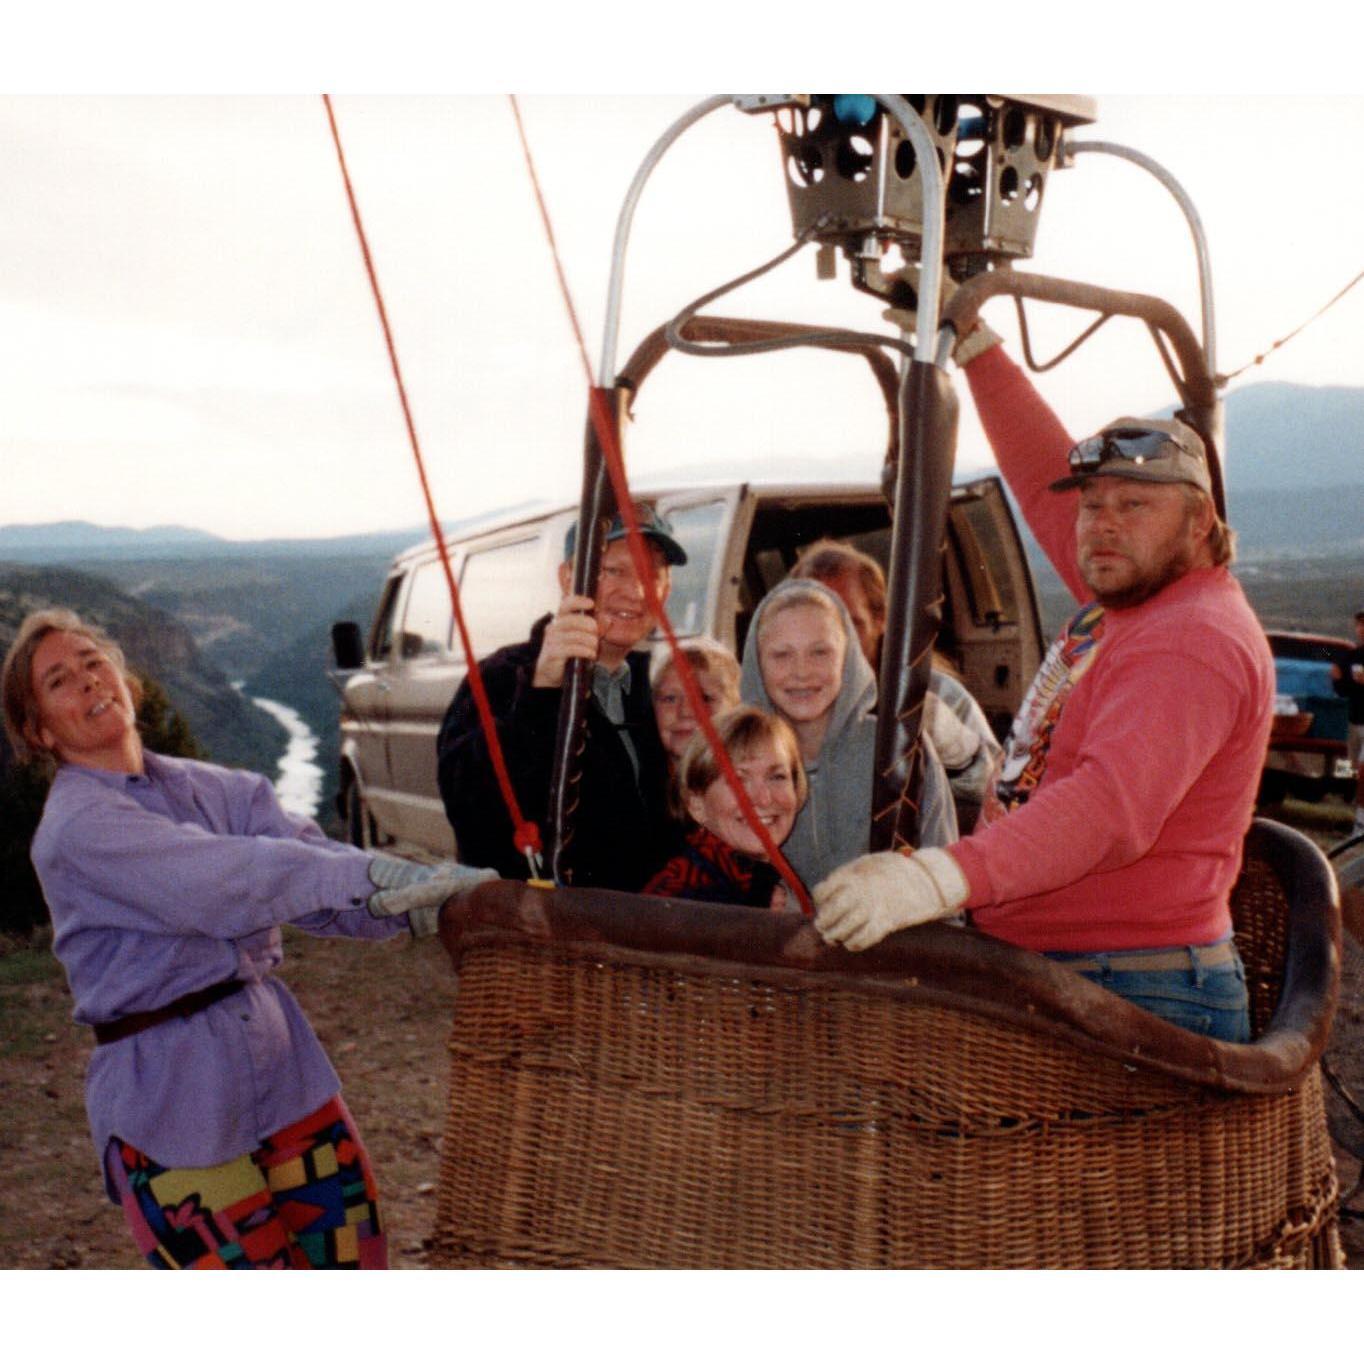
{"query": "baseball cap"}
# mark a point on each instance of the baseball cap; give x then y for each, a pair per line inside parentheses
(652, 524)
(1140, 448)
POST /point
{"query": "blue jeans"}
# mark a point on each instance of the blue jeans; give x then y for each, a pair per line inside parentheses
(1208, 1000)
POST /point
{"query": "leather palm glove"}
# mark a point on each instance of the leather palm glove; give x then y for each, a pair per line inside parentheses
(420, 892)
(957, 744)
(881, 893)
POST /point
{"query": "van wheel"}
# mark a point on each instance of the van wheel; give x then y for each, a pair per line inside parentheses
(359, 826)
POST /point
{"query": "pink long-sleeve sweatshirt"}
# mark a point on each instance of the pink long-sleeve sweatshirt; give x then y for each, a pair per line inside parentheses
(1128, 783)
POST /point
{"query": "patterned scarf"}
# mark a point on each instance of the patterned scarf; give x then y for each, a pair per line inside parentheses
(1025, 754)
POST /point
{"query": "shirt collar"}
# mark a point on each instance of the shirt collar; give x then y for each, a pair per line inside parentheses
(106, 776)
(621, 677)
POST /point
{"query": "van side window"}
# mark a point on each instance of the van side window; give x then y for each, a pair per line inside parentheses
(381, 632)
(497, 588)
(427, 621)
(697, 529)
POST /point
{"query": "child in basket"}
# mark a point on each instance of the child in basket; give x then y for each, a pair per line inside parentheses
(723, 860)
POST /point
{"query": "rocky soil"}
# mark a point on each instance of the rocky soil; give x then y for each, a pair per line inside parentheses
(381, 1011)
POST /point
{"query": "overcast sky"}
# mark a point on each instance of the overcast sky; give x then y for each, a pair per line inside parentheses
(187, 335)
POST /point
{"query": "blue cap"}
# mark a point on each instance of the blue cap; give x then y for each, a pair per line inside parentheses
(652, 525)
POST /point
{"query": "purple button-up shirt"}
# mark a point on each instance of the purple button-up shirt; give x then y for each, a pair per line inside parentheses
(169, 882)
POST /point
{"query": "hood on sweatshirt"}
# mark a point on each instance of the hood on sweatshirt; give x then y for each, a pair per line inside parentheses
(856, 698)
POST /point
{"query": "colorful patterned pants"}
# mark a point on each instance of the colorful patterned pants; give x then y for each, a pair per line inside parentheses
(305, 1200)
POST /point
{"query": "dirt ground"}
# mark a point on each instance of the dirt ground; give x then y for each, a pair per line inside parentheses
(382, 1012)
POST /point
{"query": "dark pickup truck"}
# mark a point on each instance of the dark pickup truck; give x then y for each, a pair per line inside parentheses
(1307, 756)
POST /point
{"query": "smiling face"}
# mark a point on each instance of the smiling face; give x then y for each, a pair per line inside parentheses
(676, 722)
(1134, 538)
(623, 619)
(768, 776)
(86, 713)
(801, 649)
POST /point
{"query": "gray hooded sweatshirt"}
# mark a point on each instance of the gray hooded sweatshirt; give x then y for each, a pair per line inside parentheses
(834, 825)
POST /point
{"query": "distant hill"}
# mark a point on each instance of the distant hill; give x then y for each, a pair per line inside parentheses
(69, 542)
(1291, 437)
(241, 610)
(1295, 470)
(1299, 522)
(233, 731)
(81, 542)
(83, 538)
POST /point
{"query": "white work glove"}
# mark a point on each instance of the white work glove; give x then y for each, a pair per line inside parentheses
(393, 873)
(976, 342)
(421, 892)
(881, 893)
(957, 744)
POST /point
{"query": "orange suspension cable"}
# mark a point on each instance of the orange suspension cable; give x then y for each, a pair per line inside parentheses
(603, 423)
(526, 834)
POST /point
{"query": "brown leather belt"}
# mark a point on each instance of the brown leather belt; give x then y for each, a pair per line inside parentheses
(184, 1007)
(1167, 959)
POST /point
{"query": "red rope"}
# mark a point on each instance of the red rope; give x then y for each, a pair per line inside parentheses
(601, 413)
(526, 834)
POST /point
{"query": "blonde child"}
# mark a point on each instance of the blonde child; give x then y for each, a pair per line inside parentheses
(717, 675)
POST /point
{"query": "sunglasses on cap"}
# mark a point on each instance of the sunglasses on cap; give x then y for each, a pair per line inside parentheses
(1135, 444)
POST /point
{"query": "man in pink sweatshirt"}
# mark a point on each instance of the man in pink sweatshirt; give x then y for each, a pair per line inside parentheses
(1111, 832)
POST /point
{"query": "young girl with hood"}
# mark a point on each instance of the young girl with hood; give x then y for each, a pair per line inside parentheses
(802, 661)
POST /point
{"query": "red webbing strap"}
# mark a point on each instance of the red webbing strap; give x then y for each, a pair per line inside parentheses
(601, 414)
(526, 834)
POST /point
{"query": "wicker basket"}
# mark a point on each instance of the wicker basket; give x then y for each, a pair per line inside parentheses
(659, 1084)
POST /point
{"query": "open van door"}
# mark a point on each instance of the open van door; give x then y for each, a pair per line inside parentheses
(992, 626)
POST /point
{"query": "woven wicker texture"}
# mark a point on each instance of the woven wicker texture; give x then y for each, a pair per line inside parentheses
(612, 1107)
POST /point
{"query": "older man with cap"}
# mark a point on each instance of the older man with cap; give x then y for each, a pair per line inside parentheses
(1111, 835)
(621, 830)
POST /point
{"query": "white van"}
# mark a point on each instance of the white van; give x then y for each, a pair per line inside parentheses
(740, 538)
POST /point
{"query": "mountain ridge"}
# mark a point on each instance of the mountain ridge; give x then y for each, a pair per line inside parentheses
(85, 541)
(1281, 437)
(158, 644)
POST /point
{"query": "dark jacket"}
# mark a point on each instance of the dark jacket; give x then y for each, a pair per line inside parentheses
(621, 829)
(1346, 686)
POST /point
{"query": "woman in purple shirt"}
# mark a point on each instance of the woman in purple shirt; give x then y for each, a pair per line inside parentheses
(214, 1109)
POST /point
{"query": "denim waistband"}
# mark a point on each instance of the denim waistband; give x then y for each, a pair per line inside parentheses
(1220, 953)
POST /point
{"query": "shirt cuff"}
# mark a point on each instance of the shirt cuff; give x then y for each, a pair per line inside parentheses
(973, 868)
